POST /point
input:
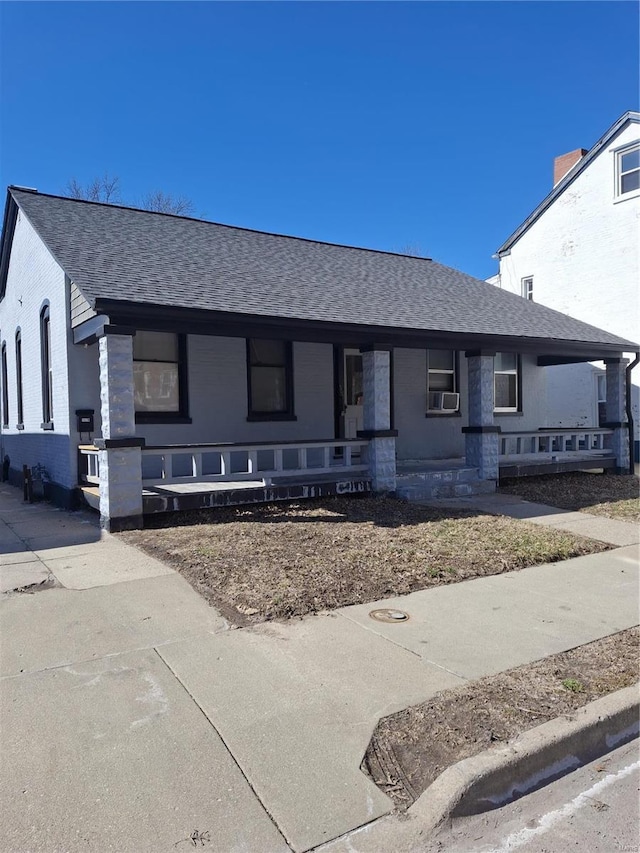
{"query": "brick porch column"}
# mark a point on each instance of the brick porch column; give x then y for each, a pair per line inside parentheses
(481, 436)
(616, 412)
(120, 451)
(376, 383)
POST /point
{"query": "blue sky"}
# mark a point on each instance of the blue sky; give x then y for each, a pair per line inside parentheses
(373, 124)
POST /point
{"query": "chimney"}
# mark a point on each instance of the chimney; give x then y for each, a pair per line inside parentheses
(562, 164)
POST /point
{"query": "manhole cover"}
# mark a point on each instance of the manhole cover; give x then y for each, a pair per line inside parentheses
(389, 615)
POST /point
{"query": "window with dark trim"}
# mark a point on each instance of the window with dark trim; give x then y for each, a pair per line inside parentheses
(270, 379)
(506, 379)
(442, 382)
(19, 377)
(47, 372)
(5, 387)
(160, 377)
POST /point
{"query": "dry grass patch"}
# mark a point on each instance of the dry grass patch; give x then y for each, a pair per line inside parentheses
(289, 559)
(600, 494)
(410, 749)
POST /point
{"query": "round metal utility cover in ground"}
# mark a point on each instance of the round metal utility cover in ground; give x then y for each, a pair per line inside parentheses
(389, 615)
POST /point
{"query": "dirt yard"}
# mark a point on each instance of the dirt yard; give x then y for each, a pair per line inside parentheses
(289, 559)
(600, 494)
(409, 750)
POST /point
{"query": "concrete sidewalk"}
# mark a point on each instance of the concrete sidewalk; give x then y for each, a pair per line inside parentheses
(609, 530)
(133, 716)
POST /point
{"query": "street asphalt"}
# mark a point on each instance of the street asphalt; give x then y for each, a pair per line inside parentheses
(134, 718)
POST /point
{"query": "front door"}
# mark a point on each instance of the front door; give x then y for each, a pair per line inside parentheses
(352, 393)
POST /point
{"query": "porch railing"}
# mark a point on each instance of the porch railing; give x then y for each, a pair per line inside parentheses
(211, 463)
(552, 441)
(221, 463)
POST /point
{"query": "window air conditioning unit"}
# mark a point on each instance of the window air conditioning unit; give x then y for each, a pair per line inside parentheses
(444, 401)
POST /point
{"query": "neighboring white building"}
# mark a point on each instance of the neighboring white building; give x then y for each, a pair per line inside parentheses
(578, 252)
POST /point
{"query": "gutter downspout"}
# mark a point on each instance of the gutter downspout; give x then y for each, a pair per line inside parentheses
(628, 370)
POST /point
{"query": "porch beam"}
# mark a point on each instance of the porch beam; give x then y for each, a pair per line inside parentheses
(552, 360)
(205, 322)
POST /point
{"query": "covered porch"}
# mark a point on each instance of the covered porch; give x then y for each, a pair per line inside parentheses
(345, 410)
(181, 477)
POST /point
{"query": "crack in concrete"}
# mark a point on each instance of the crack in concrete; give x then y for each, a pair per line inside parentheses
(227, 748)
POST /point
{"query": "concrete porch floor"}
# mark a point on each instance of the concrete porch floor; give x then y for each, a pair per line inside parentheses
(417, 479)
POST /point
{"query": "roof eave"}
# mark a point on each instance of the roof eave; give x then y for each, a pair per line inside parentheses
(201, 321)
(8, 230)
(12, 207)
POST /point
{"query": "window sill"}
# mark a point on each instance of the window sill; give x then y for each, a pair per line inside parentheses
(626, 196)
(443, 414)
(271, 416)
(162, 418)
(499, 414)
(48, 425)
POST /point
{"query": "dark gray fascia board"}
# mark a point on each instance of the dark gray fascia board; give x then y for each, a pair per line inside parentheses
(202, 322)
(8, 229)
(554, 360)
(569, 178)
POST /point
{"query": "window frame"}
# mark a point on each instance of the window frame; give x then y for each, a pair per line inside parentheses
(455, 372)
(288, 413)
(182, 415)
(601, 399)
(19, 384)
(46, 367)
(526, 288)
(517, 372)
(5, 384)
(619, 173)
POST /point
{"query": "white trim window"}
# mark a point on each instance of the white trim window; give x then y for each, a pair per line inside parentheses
(5, 386)
(506, 382)
(601, 397)
(628, 170)
(47, 369)
(441, 377)
(526, 288)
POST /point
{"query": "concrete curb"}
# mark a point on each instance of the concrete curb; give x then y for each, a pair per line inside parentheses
(501, 774)
(536, 757)
(498, 775)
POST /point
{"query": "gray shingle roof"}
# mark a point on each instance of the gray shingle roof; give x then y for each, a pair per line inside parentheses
(126, 254)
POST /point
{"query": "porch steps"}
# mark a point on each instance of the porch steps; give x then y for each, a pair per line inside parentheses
(90, 495)
(450, 483)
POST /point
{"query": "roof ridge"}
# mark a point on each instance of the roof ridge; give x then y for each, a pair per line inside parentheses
(31, 191)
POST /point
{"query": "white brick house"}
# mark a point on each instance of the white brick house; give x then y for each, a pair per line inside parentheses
(152, 362)
(578, 252)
